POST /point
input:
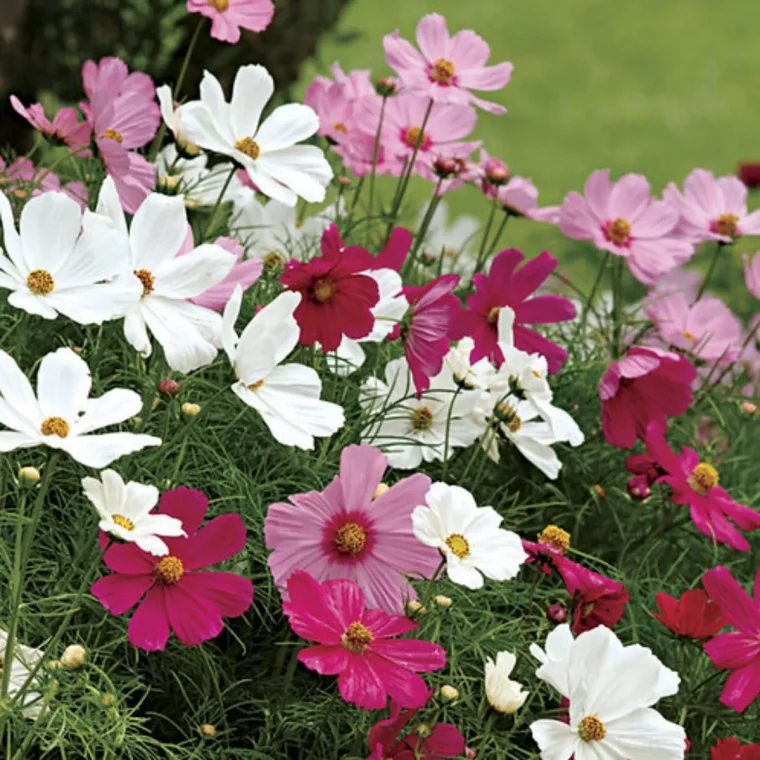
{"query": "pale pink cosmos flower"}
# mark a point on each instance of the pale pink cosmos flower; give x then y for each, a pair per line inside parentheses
(228, 17)
(22, 175)
(752, 274)
(124, 114)
(520, 198)
(622, 218)
(712, 209)
(352, 530)
(65, 126)
(707, 329)
(446, 68)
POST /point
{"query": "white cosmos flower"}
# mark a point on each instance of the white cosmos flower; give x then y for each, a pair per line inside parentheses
(60, 260)
(194, 181)
(61, 415)
(172, 116)
(410, 429)
(503, 694)
(188, 333)
(468, 536)
(24, 660)
(455, 242)
(611, 689)
(267, 150)
(387, 313)
(468, 375)
(286, 396)
(125, 512)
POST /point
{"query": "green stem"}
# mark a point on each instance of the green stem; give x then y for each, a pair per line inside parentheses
(497, 237)
(375, 155)
(617, 305)
(710, 271)
(422, 231)
(482, 255)
(218, 203)
(590, 300)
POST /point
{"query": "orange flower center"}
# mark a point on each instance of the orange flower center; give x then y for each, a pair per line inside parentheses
(493, 315)
(169, 570)
(727, 224)
(415, 137)
(248, 146)
(357, 637)
(123, 522)
(112, 134)
(422, 418)
(55, 426)
(339, 126)
(703, 477)
(40, 282)
(591, 729)
(618, 231)
(147, 279)
(689, 336)
(555, 537)
(351, 539)
(442, 71)
(459, 545)
(219, 5)
(324, 290)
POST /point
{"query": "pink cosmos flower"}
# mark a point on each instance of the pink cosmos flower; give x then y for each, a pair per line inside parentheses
(752, 274)
(337, 297)
(175, 593)
(447, 68)
(65, 126)
(244, 273)
(712, 209)
(646, 384)
(520, 197)
(695, 483)
(386, 742)
(334, 106)
(505, 285)
(493, 173)
(737, 651)
(707, 329)
(22, 174)
(622, 218)
(347, 532)
(124, 114)
(427, 327)
(358, 644)
(228, 17)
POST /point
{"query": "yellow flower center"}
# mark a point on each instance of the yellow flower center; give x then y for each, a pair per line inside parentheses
(55, 426)
(555, 537)
(169, 570)
(422, 418)
(591, 729)
(689, 336)
(727, 224)
(40, 282)
(505, 413)
(442, 71)
(357, 637)
(123, 522)
(219, 5)
(703, 477)
(255, 386)
(339, 126)
(351, 539)
(324, 290)
(415, 137)
(273, 260)
(112, 134)
(618, 231)
(147, 279)
(459, 545)
(249, 147)
(493, 315)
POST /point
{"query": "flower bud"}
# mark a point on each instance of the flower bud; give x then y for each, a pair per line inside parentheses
(449, 693)
(107, 699)
(556, 613)
(168, 387)
(496, 172)
(341, 179)
(423, 730)
(73, 656)
(445, 167)
(414, 607)
(748, 407)
(638, 488)
(443, 601)
(167, 184)
(503, 694)
(599, 491)
(191, 410)
(29, 474)
(470, 753)
(386, 86)
(380, 490)
(208, 730)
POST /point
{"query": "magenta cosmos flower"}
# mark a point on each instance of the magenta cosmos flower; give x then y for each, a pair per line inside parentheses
(506, 285)
(124, 115)
(622, 218)
(65, 126)
(359, 645)
(392, 256)
(646, 384)
(175, 593)
(707, 329)
(228, 17)
(427, 327)
(446, 68)
(737, 651)
(712, 209)
(337, 296)
(354, 529)
(695, 483)
(387, 743)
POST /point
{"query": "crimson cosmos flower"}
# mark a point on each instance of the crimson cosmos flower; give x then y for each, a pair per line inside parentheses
(693, 616)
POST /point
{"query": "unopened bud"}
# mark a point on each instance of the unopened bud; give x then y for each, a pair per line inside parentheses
(449, 693)
(167, 184)
(137, 420)
(748, 407)
(107, 700)
(599, 491)
(341, 179)
(469, 752)
(190, 409)
(78, 350)
(29, 474)
(414, 607)
(380, 490)
(496, 172)
(423, 730)
(556, 613)
(638, 489)
(168, 387)
(155, 403)
(446, 167)
(208, 730)
(386, 86)
(73, 656)
(443, 601)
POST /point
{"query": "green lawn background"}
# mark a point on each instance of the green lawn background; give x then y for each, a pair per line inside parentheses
(651, 86)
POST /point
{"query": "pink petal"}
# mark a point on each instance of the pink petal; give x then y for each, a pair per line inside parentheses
(733, 650)
(227, 592)
(325, 660)
(310, 615)
(362, 685)
(404, 686)
(658, 220)
(597, 191)
(384, 625)
(576, 219)
(346, 599)
(529, 277)
(218, 540)
(700, 187)
(742, 687)
(400, 54)
(149, 627)
(629, 198)
(128, 559)
(192, 618)
(361, 470)
(433, 37)
(119, 593)
(486, 78)
(411, 654)
(546, 310)
(186, 504)
(735, 603)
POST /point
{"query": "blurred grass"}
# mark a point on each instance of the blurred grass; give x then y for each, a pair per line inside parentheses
(653, 86)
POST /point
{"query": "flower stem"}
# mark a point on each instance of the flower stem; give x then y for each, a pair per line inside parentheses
(710, 271)
(497, 237)
(617, 305)
(590, 300)
(424, 226)
(218, 203)
(482, 254)
(375, 155)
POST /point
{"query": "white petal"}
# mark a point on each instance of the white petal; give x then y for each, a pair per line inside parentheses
(302, 168)
(202, 128)
(266, 183)
(136, 332)
(464, 575)
(63, 384)
(161, 525)
(109, 205)
(99, 451)
(347, 359)
(31, 304)
(13, 441)
(645, 733)
(113, 407)
(229, 317)
(251, 91)
(17, 391)
(50, 224)
(153, 545)
(166, 105)
(139, 499)
(11, 238)
(190, 275)
(158, 230)
(95, 304)
(506, 325)
(556, 740)
(286, 126)
(212, 97)
(540, 455)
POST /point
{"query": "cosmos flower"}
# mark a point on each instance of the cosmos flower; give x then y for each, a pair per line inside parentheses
(503, 694)
(22, 662)
(65, 126)
(733, 749)
(693, 616)
(228, 17)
